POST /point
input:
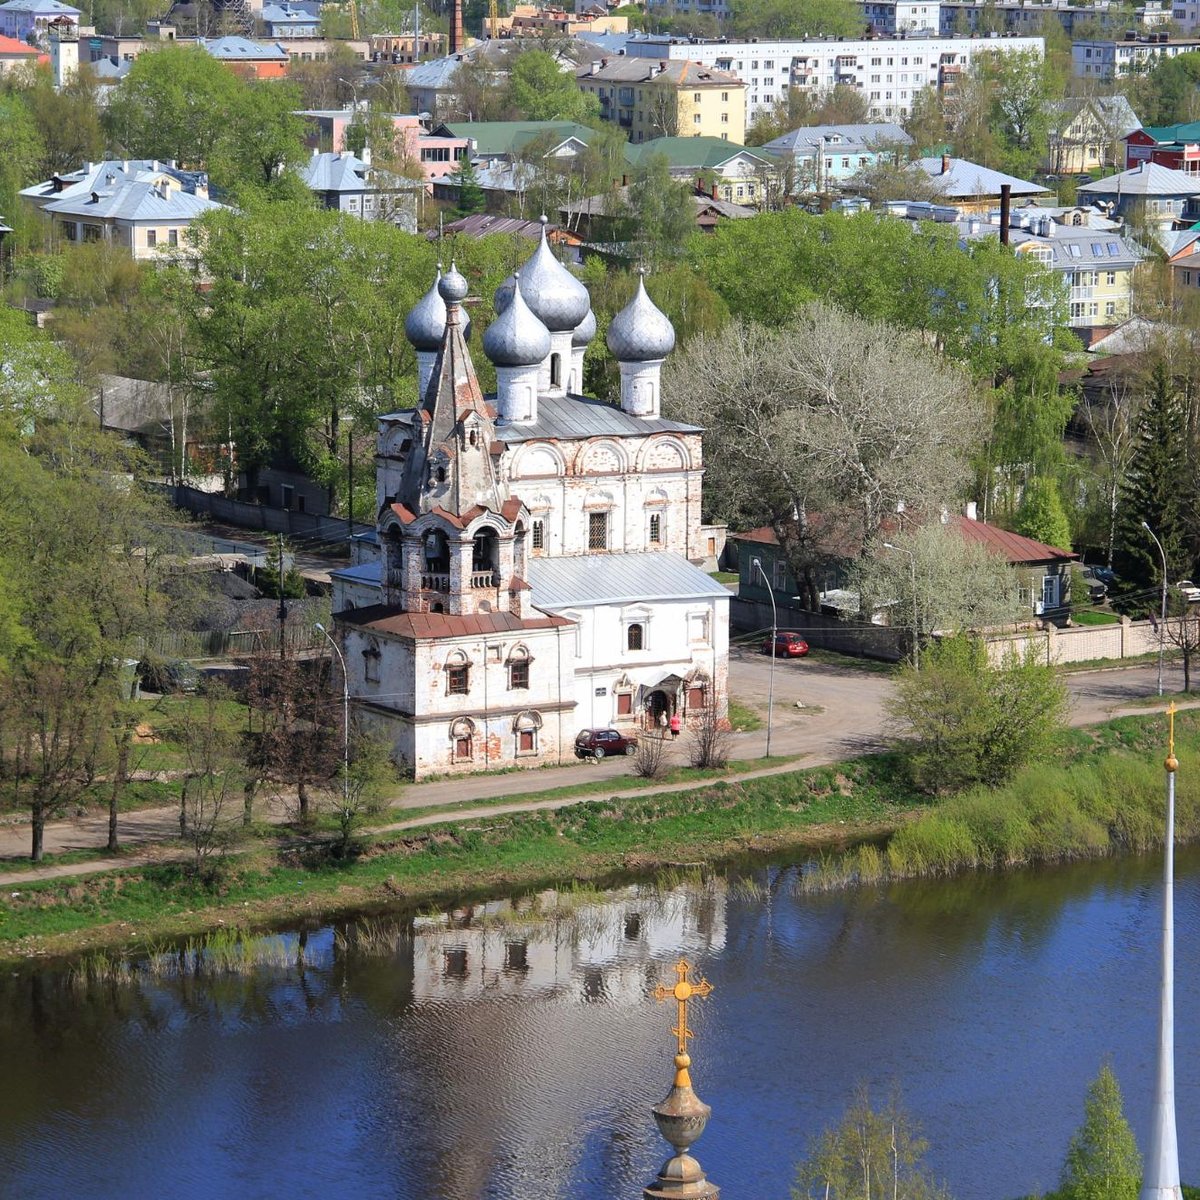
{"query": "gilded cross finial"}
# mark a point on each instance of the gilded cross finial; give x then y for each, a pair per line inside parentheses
(683, 991)
(1172, 762)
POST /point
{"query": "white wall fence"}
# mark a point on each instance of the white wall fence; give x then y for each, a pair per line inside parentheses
(1080, 643)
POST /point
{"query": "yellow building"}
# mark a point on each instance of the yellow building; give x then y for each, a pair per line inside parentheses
(653, 98)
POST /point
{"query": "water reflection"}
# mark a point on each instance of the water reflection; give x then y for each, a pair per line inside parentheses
(509, 1049)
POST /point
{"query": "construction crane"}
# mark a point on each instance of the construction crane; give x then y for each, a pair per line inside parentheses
(493, 19)
(354, 20)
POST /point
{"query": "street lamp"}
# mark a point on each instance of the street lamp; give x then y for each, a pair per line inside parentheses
(345, 717)
(1162, 628)
(912, 562)
(756, 564)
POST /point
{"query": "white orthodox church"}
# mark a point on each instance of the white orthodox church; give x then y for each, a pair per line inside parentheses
(533, 570)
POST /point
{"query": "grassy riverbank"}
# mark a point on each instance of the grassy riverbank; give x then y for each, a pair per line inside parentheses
(1101, 793)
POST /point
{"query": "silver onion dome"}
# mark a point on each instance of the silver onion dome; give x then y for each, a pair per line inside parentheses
(502, 296)
(453, 286)
(516, 338)
(584, 331)
(558, 299)
(425, 325)
(640, 332)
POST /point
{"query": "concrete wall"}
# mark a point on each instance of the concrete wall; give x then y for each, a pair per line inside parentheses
(261, 516)
(829, 633)
(1081, 643)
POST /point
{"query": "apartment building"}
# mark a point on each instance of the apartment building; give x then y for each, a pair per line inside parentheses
(890, 72)
(665, 97)
(1106, 59)
(903, 16)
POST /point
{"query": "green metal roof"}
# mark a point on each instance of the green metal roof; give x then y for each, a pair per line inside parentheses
(506, 137)
(1188, 131)
(695, 153)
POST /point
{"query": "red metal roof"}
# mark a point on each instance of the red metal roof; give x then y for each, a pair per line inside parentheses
(426, 626)
(1018, 551)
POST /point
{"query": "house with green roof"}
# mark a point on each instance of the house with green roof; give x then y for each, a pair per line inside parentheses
(726, 170)
(1176, 147)
(496, 142)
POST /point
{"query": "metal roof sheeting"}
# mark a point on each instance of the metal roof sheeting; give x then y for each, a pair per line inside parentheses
(585, 580)
(579, 417)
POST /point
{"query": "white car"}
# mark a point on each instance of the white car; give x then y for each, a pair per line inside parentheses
(1191, 593)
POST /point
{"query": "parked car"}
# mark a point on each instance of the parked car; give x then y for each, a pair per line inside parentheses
(1097, 589)
(1106, 575)
(786, 645)
(597, 743)
(1189, 591)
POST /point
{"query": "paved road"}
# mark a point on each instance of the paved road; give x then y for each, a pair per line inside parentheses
(843, 713)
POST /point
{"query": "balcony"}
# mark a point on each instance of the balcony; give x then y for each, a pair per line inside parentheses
(625, 97)
(485, 579)
(435, 583)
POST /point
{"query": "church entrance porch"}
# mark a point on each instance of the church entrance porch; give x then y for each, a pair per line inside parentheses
(659, 705)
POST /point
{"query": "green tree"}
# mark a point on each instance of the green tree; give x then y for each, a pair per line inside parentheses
(1041, 515)
(21, 149)
(969, 722)
(1156, 491)
(67, 121)
(539, 90)
(470, 195)
(662, 215)
(264, 139)
(1102, 1161)
(872, 1154)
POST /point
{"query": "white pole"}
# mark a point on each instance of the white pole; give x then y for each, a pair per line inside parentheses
(912, 562)
(774, 633)
(1161, 1179)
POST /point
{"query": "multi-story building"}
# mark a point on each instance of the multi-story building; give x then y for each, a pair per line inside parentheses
(1148, 195)
(889, 72)
(438, 155)
(21, 18)
(534, 568)
(668, 97)
(1018, 16)
(289, 21)
(1106, 59)
(903, 16)
(824, 155)
(349, 183)
(1087, 134)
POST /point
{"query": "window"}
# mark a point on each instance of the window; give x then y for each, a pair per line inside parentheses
(1110, 309)
(695, 97)
(518, 675)
(525, 741)
(458, 680)
(724, 118)
(724, 97)
(152, 238)
(598, 531)
(695, 118)
(633, 637)
(1110, 278)
(539, 535)
(556, 370)
(462, 749)
(655, 529)
(172, 237)
(696, 697)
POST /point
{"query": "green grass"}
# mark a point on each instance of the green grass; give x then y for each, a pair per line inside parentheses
(743, 718)
(1094, 617)
(724, 576)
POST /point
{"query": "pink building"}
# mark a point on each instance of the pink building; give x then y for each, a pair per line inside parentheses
(437, 156)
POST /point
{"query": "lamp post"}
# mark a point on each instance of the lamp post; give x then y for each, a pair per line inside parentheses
(756, 563)
(345, 717)
(1162, 628)
(912, 562)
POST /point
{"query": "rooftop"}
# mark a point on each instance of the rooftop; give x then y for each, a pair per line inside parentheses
(1146, 179)
(868, 136)
(580, 417)
(383, 619)
(961, 179)
(134, 202)
(590, 579)
(240, 49)
(1017, 550)
(694, 153)
(41, 6)
(10, 45)
(341, 171)
(506, 137)
(681, 72)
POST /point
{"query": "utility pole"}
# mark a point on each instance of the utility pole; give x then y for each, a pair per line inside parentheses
(345, 718)
(1162, 628)
(757, 563)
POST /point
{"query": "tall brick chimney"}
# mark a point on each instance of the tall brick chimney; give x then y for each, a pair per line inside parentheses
(456, 30)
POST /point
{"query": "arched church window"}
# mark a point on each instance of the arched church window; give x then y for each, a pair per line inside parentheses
(485, 550)
(655, 529)
(634, 637)
(556, 370)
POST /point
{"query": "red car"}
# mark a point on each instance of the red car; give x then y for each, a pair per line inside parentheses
(786, 645)
(597, 743)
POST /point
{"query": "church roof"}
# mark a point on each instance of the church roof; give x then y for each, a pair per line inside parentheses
(589, 579)
(383, 618)
(579, 417)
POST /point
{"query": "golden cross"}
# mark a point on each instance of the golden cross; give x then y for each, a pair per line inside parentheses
(1172, 762)
(683, 991)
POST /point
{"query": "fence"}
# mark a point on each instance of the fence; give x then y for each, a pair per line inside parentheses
(261, 516)
(829, 633)
(1080, 643)
(226, 643)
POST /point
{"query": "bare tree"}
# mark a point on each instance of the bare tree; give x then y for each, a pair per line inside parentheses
(709, 734)
(1182, 630)
(213, 778)
(648, 758)
(824, 427)
(1112, 426)
(363, 787)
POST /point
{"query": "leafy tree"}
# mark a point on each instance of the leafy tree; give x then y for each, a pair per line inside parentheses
(969, 722)
(838, 105)
(873, 1154)
(1041, 515)
(470, 195)
(1168, 91)
(1102, 1161)
(21, 149)
(265, 136)
(662, 215)
(1157, 491)
(67, 121)
(823, 427)
(795, 18)
(539, 90)
(926, 121)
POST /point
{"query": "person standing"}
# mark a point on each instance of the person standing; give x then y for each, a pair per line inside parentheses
(675, 724)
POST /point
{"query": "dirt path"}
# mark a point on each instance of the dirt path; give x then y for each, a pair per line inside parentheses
(843, 713)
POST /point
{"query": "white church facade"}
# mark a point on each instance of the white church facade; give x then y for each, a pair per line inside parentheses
(533, 572)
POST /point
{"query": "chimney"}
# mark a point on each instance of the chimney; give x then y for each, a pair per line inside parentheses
(714, 195)
(457, 41)
(971, 512)
(945, 164)
(366, 155)
(1005, 211)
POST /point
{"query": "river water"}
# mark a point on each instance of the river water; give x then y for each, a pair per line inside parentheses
(512, 1050)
